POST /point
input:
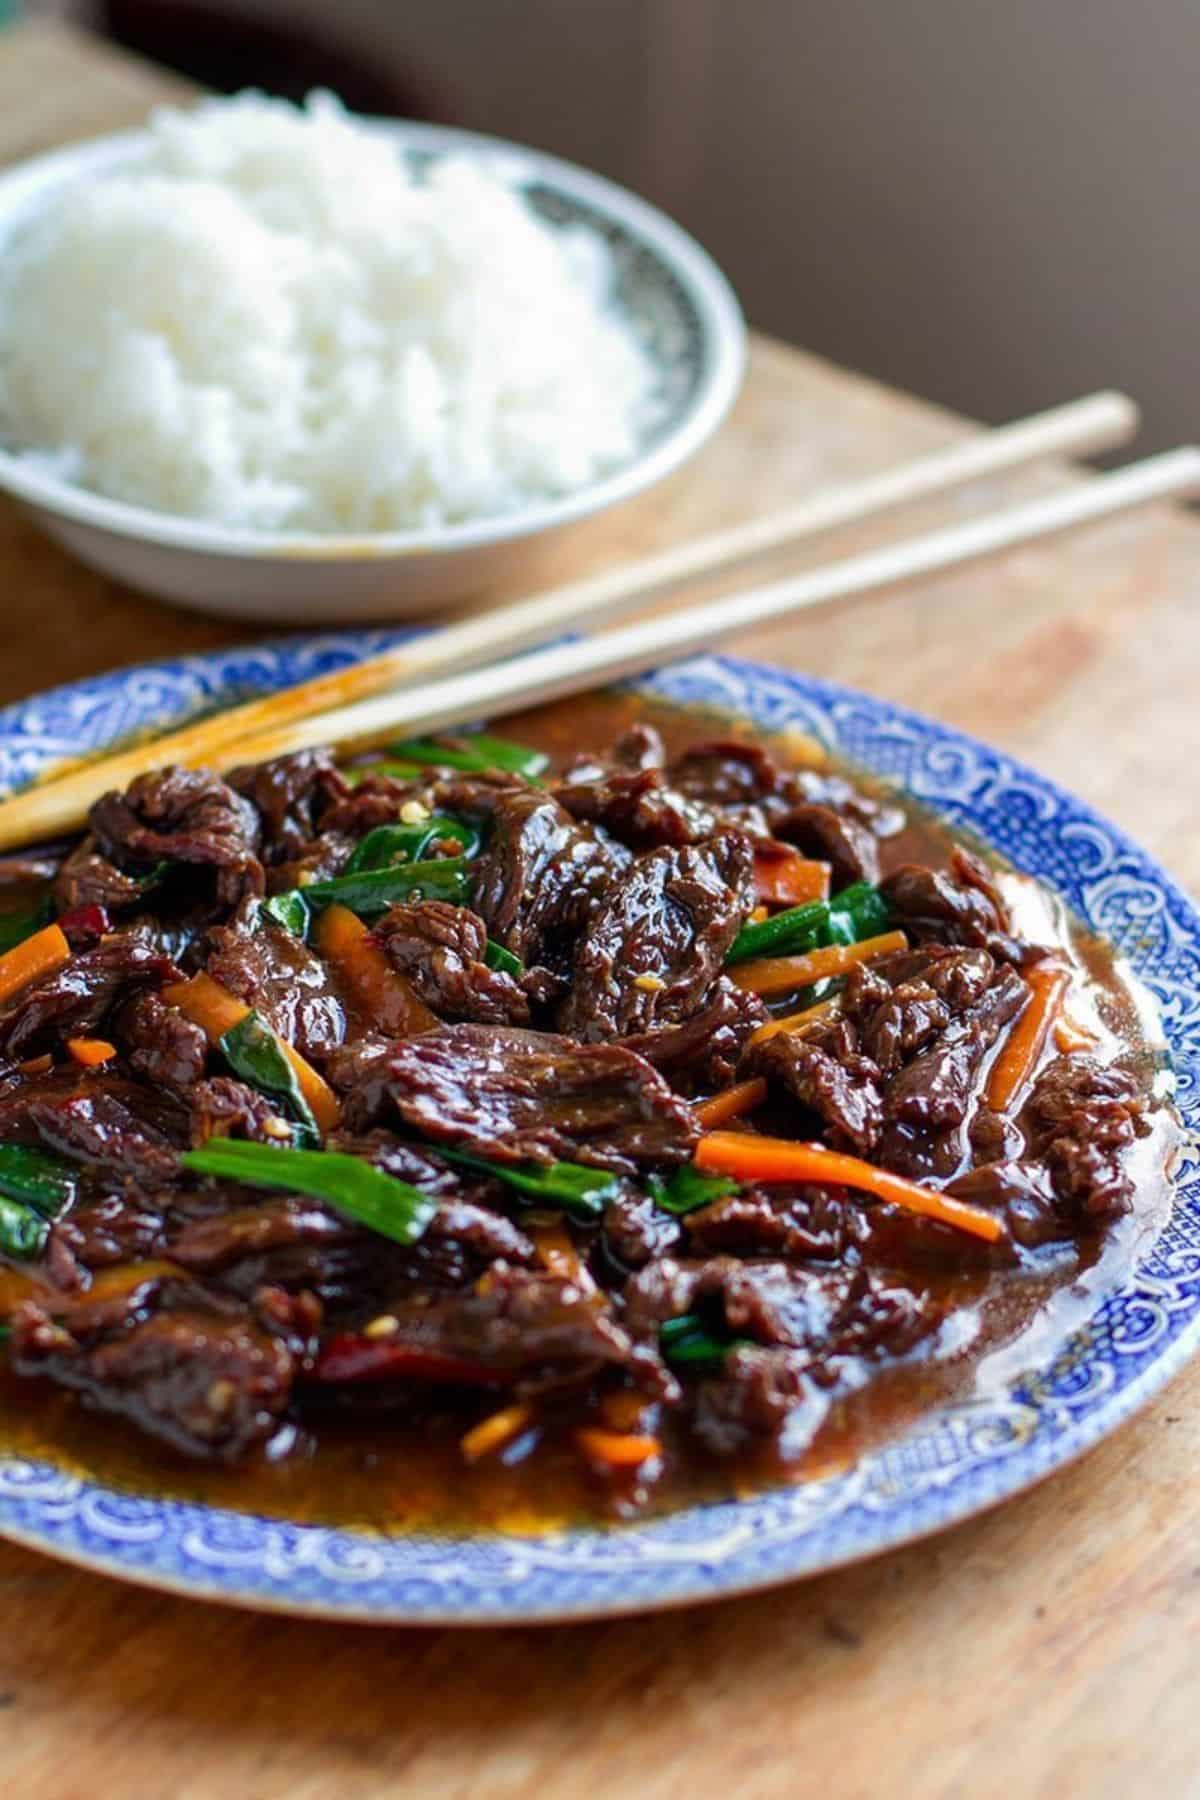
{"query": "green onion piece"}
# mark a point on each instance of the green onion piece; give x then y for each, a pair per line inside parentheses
(388, 845)
(579, 1191)
(685, 1189)
(374, 890)
(474, 754)
(254, 1052)
(396, 771)
(497, 957)
(23, 1231)
(36, 1178)
(15, 927)
(857, 912)
(289, 910)
(687, 1343)
(393, 1208)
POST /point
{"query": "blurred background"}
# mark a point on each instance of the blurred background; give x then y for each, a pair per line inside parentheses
(993, 206)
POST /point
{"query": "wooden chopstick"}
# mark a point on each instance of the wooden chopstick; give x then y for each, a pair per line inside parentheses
(549, 674)
(561, 669)
(1097, 422)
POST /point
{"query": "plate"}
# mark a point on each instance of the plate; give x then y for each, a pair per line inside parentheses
(957, 1461)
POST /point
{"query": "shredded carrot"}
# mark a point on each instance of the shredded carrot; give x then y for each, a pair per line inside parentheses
(732, 1103)
(624, 1410)
(750, 1158)
(390, 1002)
(37, 1065)
(39, 955)
(556, 1251)
(1022, 1049)
(1070, 1035)
(758, 915)
(824, 1009)
(498, 1429)
(778, 974)
(217, 1011)
(91, 1052)
(619, 1449)
(782, 877)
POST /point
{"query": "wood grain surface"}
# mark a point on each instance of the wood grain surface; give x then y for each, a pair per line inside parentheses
(1048, 1649)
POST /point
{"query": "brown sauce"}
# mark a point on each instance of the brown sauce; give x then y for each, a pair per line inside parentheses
(407, 1473)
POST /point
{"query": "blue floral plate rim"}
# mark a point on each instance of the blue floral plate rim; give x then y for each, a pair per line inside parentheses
(956, 1462)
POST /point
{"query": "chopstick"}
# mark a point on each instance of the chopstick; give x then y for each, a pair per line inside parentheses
(570, 668)
(562, 669)
(1097, 422)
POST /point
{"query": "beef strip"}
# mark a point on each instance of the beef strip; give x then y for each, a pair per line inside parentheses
(285, 982)
(725, 772)
(206, 1379)
(638, 807)
(1022, 1194)
(76, 999)
(1084, 1117)
(160, 1043)
(636, 1230)
(525, 1321)
(824, 1070)
(184, 816)
(117, 1228)
(845, 843)
(760, 1395)
(541, 873)
(440, 948)
(795, 1220)
(815, 1325)
(515, 1096)
(224, 1106)
(98, 1128)
(961, 908)
(934, 1090)
(88, 878)
(289, 796)
(702, 1051)
(657, 941)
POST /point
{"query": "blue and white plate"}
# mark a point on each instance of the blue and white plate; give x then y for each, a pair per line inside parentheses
(957, 1461)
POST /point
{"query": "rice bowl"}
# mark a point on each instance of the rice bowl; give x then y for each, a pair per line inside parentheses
(688, 325)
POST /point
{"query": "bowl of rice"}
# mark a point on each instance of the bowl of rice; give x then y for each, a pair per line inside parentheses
(286, 364)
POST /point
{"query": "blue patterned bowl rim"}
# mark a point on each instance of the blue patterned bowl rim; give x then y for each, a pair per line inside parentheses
(957, 1461)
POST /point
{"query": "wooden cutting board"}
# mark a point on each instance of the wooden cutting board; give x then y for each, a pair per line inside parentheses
(1048, 1649)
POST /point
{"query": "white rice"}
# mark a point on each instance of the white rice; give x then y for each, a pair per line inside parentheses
(274, 323)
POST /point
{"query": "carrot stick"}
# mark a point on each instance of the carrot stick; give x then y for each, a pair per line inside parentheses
(41, 954)
(556, 1251)
(800, 1021)
(1022, 1049)
(732, 1103)
(619, 1449)
(217, 1011)
(625, 1411)
(782, 877)
(206, 1004)
(750, 1158)
(498, 1429)
(777, 974)
(390, 1002)
(91, 1052)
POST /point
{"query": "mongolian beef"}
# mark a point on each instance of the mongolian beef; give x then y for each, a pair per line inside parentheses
(627, 1123)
